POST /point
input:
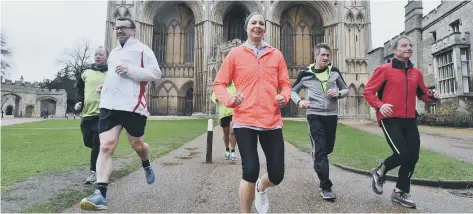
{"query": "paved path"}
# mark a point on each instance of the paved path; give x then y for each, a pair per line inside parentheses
(12, 121)
(186, 184)
(456, 143)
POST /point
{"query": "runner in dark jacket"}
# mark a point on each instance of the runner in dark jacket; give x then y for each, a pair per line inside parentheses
(324, 85)
(397, 85)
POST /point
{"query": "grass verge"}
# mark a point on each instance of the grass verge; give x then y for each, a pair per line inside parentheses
(362, 150)
(57, 145)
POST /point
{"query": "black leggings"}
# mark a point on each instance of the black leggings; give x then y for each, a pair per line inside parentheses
(272, 143)
(404, 139)
(90, 135)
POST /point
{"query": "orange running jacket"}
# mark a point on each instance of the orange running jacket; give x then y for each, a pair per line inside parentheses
(258, 80)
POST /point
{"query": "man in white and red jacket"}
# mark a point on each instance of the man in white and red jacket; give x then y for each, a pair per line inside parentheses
(397, 85)
(123, 105)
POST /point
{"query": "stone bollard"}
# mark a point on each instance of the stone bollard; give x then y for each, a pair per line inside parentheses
(210, 126)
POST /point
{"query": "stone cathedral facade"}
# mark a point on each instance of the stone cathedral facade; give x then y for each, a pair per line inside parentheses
(190, 40)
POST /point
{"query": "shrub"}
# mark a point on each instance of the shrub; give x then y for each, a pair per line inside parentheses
(446, 117)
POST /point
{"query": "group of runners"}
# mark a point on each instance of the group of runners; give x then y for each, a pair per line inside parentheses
(250, 88)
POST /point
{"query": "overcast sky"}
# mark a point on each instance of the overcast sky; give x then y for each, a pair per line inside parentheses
(39, 31)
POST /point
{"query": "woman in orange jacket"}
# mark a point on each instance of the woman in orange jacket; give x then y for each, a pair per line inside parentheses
(260, 75)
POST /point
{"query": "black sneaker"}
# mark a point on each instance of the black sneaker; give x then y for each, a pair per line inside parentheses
(377, 182)
(403, 199)
(328, 194)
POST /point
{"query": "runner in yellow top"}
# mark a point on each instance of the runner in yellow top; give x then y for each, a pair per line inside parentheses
(225, 117)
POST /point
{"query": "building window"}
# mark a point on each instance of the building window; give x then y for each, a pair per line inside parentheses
(465, 62)
(455, 26)
(235, 24)
(189, 44)
(446, 73)
(434, 35)
(288, 44)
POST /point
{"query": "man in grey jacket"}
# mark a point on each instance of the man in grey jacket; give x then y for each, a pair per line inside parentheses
(324, 85)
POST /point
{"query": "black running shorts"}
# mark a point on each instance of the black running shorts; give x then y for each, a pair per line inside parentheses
(225, 121)
(133, 123)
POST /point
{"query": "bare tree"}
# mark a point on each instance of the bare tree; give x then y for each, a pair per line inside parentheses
(76, 59)
(5, 53)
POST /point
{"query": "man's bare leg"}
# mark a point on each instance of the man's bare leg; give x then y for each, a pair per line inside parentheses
(142, 150)
(247, 195)
(108, 143)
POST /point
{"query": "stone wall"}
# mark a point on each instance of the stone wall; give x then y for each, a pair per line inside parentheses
(27, 99)
(438, 21)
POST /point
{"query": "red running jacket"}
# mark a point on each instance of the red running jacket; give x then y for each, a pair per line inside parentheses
(397, 85)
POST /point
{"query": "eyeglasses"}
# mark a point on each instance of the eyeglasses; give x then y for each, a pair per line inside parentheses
(121, 28)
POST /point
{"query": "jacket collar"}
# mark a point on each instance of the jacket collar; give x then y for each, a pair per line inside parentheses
(264, 44)
(266, 47)
(311, 68)
(128, 42)
(400, 65)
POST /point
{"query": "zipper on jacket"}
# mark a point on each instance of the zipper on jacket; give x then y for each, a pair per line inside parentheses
(407, 88)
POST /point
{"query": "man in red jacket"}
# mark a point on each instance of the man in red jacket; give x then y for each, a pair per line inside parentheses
(397, 85)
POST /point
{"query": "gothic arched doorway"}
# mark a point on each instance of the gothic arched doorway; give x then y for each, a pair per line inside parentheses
(301, 29)
(47, 106)
(234, 23)
(13, 100)
(188, 102)
(29, 111)
(9, 110)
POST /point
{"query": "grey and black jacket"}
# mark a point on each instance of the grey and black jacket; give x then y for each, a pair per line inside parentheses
(320, 102)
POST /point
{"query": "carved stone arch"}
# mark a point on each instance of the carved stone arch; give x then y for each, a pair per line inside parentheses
(116, 14)
(150, 8)
(303, 24)
(185, 87)
(349, 17)
(173, 23)
(127, 13)
(167, 90)
(360, 89)
(352, 91)
(360, 19)
(221, 8)
(325, 9)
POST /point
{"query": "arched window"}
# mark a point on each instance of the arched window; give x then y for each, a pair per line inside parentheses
(159, 42)
(189, 49)
(316, 36)
(287, 44)
(234, 23)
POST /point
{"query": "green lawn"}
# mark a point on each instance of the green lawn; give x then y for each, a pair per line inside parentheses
(362, 150)
(28, 151)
